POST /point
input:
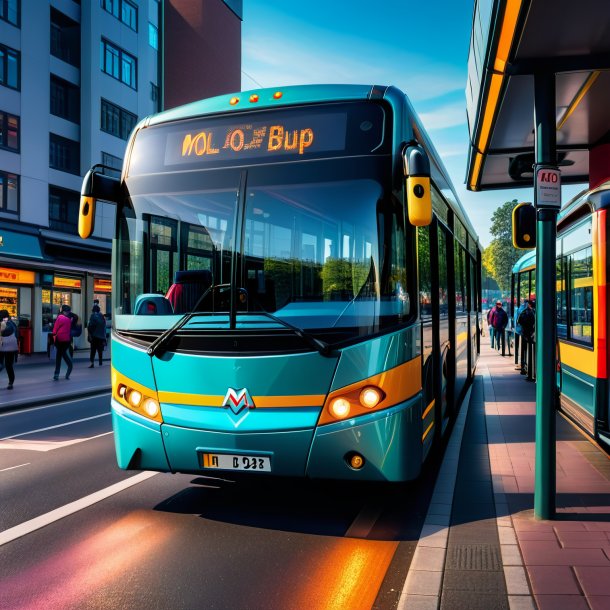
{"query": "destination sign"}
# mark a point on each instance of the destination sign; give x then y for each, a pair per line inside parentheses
(294, 136)
(262, 136)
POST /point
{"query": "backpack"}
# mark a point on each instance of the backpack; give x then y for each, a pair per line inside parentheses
(527, 320)
(11, 329)
(76, 329)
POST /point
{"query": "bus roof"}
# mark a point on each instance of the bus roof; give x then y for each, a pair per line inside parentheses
(526, 261)
(598, 197)
(266, 98)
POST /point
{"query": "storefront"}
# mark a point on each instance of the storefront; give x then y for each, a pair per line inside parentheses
(16, 294)
(41, 270)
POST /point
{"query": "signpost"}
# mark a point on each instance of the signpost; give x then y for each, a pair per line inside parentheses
(548, 202)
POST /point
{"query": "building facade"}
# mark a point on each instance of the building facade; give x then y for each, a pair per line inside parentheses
(75, 78)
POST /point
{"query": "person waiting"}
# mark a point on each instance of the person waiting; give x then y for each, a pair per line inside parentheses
(499, 320)
(96, 329)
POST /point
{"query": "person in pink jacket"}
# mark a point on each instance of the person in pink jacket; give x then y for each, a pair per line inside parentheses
(61, 336)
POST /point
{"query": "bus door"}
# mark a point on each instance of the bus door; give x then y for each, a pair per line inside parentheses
(429, 339)
(444, 359)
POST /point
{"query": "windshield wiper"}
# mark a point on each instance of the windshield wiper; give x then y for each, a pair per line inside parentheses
(157, 345)
(321, 346)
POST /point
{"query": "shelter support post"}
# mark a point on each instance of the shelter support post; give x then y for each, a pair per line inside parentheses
(546, 227)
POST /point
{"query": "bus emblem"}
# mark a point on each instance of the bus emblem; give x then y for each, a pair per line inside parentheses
(238, 400)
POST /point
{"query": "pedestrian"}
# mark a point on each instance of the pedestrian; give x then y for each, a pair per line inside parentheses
(519, 341)
(499, 320)
(8, 346)
(527, 321)
(96, 334)
(62, 338)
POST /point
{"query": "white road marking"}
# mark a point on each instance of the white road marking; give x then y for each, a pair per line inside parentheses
(13, 467)
(68, 423)
(32, 525)
(45, 445)
(55, 404)
(364, 522)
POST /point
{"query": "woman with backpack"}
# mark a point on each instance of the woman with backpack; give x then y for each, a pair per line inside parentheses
(8, 345)
(63, 336)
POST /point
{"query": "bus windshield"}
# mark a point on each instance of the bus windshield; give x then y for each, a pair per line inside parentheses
(319, 245)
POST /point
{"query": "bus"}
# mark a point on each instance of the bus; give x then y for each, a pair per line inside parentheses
(581, 306)
(295, 287)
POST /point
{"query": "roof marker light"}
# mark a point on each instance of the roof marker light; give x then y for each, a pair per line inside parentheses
(233, 101)
(277, 95)
(254, 98)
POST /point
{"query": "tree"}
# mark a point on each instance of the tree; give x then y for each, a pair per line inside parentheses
(500, 256)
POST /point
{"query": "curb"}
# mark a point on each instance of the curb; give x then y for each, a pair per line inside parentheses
(37, 402)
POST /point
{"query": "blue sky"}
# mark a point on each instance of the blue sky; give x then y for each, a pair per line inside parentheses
(420, 47)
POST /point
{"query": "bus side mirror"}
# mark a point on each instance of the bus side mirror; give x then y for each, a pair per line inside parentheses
(95, 186)
(524, 226)
(417, 173)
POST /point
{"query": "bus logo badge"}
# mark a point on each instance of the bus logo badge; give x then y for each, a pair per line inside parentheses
(238, 400)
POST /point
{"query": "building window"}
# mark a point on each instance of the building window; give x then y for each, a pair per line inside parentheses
(9, 11)
(64, 154)
(153, 36)
(65, 38)
(119, 64)
(9, 192)
(115, 163)
(63, 209)
(9, 67)
(65, 99)
(9, 131)
(155, 96)
(116, 120)
(123, 10)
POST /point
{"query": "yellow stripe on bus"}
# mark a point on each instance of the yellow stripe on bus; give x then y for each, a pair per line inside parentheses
(428, 409)
(579, 358)
(261, 402)
(423, 438)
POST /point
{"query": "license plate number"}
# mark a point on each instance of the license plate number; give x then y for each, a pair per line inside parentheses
(228, 461)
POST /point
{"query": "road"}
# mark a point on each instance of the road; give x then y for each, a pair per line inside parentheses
(77, 532)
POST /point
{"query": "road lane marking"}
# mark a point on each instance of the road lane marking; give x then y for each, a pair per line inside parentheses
(45, 445)
(69, 423)
(54, 404)
(13, 467)
(32, 525)
(364, 522)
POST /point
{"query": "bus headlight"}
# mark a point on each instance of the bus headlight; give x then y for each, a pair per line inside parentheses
(141, 400)
(370, 397)
(151, 407)
(340, 408)
(134, 398)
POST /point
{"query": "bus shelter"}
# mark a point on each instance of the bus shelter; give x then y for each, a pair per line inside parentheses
(538, 94)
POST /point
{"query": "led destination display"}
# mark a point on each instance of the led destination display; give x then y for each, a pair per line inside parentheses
(287, 134)
(294, 136)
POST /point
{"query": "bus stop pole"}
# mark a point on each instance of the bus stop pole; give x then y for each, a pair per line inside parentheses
(546, 235)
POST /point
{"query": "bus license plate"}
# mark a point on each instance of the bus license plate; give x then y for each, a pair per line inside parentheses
(228, 461)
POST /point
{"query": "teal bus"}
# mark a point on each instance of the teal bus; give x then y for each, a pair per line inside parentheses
(295, 287)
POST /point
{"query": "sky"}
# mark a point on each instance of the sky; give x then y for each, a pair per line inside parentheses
(419, 46)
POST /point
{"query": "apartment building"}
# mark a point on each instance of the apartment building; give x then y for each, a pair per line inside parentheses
(75, 78)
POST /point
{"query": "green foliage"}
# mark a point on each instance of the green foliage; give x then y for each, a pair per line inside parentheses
(500, 256)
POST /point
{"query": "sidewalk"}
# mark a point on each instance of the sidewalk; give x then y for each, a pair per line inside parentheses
(34, 384)
(480, 546)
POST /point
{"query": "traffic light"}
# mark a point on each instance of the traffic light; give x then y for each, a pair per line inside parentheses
(524, 226)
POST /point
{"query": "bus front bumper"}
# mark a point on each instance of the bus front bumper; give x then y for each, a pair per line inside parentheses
(389, 442)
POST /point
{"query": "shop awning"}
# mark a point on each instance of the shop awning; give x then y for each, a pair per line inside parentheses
(20, 245)
(511, 41)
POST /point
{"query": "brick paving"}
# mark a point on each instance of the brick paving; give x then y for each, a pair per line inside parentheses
(567, 560)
